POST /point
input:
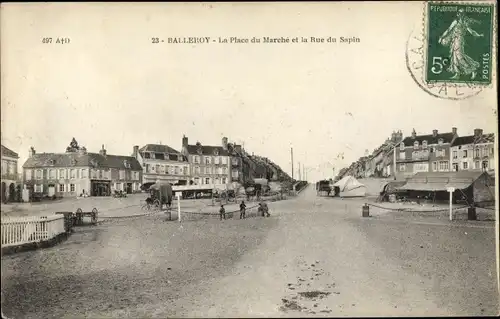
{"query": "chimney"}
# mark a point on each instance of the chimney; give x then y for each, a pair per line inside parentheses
(434, 133)
(413, 134)
(393, 136)
(224, 143)
(454, 131)
(102, 151)
(478, 132)
(136, 151)
(31, 152)
(82, 150)
(184, 141)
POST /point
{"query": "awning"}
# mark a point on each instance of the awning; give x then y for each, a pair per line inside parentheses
(442, 181)
(431, 187)
(459, 185)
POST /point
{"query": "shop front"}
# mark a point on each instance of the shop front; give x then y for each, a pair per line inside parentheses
(100, 188)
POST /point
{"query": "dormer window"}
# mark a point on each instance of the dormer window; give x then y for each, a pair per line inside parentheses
(415, 145)
(424, 144)
(402, 146)
(126, 164)
(93, 163)
(52, 162)
(216, 152)
(73, 162)
(440, 141)
(200, 151)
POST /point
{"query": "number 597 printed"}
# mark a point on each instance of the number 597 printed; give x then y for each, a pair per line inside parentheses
(56, 40)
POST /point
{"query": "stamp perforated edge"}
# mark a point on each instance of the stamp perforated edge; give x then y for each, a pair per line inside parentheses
(424, 35)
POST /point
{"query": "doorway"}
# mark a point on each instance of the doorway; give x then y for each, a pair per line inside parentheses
(100, 188)
(4, 192)
(12, 192)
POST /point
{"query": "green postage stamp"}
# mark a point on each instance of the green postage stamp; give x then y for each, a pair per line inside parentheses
(459, 42)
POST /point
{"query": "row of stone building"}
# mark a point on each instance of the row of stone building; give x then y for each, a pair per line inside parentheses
(76, 172)
(11, 180)
(435, 152)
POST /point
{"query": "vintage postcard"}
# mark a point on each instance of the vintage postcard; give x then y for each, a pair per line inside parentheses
(240, 159)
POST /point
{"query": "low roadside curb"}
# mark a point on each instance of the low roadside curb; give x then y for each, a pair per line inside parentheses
(434, 222)
(36, 245)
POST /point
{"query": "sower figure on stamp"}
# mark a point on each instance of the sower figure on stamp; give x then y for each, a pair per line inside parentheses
(222, 212)
(454, 38)
(242, 210)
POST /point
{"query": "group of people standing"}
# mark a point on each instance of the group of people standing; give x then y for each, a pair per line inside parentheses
(263, 210)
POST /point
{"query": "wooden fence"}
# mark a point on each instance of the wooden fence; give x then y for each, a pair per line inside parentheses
(24, 230)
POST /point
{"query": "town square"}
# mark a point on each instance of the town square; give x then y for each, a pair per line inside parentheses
(152, 171)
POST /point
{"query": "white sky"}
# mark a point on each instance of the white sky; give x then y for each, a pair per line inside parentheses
(112, 86)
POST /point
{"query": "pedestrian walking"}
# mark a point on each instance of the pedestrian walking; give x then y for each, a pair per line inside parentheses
(242, 209)
(222, 212)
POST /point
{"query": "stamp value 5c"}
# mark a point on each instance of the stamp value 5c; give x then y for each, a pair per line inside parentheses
(459, 43)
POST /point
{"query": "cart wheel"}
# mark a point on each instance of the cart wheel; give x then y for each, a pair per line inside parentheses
(156, 204)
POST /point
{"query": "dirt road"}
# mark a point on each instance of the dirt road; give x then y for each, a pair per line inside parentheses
(313, 257)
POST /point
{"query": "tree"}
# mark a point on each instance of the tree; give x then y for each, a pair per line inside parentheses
(73, 146)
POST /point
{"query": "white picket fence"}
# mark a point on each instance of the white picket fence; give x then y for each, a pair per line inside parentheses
(31, 229)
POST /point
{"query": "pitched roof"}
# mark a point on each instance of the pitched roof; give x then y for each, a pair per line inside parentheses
(430, 138)
(463, 140)
(472, 139)
(77, 159)
(8, 152)
(158, 148)
(207, 150)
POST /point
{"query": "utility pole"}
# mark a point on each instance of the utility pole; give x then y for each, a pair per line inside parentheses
(303, 172)
(300, 177)
(291, 154)
(394, 161)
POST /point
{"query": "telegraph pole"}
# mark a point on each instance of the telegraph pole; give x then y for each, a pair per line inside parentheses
(291, 154)
(300, 177)
(394, 161)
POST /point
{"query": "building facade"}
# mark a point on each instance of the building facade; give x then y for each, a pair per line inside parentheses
(10, 177)
(208, 164)
(162, 163)
(239, 167)
(78, 172)
(474, 152)
(424, 153)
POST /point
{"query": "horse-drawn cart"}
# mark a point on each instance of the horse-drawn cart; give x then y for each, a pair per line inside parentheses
(323, 188)
(76, 219)
(80, 214)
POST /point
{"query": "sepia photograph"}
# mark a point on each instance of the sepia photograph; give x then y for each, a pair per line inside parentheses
(249, 159)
